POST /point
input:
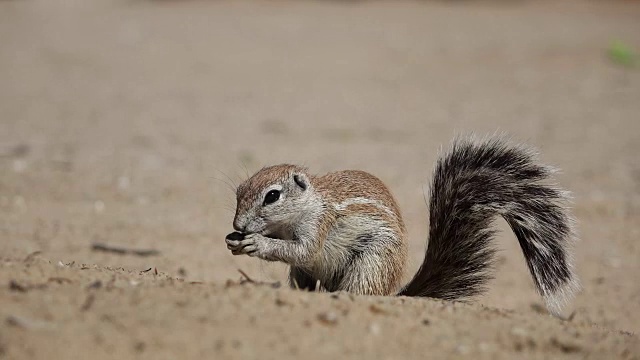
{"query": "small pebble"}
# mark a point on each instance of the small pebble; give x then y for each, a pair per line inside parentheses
(538, 308)
(377, 309)
(615, 262)
(20, 202)
(374, 329)
(139, 346)
(484, 347)
(518, 331)
(462, 349)
(124, 183)
(95, 285)
(182, 272)
(19, 166)
(98, 207)
(328, 318)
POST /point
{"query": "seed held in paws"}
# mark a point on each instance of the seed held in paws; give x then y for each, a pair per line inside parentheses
(235, 236)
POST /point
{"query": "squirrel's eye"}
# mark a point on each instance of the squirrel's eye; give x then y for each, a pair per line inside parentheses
(271, 197)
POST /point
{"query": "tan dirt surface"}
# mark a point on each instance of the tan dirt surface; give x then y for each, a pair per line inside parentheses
(125, 122)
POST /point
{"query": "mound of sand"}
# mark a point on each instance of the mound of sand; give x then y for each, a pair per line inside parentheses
(65, 310)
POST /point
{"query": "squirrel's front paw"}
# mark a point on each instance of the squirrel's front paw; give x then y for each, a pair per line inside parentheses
(250, 244)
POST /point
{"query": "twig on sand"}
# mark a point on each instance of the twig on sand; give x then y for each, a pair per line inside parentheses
(26, 323)
(59, 280)
(15, 286)
(122, 250)
(86, 305)
(247, 278)
(31, 256)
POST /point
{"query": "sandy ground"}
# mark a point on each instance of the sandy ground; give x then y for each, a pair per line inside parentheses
(124, 122)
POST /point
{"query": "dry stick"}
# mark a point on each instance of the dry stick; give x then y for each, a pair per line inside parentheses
(88, 302)
(59, 280)
(246, 276)
(251, 281)
(295, 284)
(122, 250)
(15, 286)
(31, 256)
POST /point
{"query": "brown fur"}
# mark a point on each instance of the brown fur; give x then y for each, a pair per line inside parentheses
(344, 229)
(359, 239)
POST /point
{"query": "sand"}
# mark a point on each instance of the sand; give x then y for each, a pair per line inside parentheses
(128, 123)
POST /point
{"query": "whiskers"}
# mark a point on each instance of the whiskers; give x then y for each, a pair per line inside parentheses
(228, 203)
(231, 184)
(227, 180)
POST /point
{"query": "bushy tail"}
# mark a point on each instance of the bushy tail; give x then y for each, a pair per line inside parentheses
(472, 184)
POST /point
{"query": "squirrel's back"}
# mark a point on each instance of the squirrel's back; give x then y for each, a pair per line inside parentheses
(365, 248)
(348, 187)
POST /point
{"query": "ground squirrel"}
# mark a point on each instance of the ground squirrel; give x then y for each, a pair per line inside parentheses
(344, 230)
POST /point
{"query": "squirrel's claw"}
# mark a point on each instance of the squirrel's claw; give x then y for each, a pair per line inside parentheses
(245, 246)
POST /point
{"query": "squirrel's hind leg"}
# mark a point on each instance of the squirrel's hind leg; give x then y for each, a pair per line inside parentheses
(374, 272)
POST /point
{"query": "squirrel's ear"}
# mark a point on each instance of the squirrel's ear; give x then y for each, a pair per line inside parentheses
(301, 180)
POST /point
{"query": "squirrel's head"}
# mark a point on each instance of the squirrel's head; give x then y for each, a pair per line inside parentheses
(272, 201)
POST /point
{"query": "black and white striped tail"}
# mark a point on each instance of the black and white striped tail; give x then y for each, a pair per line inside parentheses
(474, 182)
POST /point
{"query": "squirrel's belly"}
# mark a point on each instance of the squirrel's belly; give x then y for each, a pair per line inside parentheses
(356, 254)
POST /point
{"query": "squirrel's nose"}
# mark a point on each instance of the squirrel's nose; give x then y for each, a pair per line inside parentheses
(238, 227)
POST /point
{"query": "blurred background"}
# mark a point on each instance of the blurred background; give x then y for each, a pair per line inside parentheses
(128, 122)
